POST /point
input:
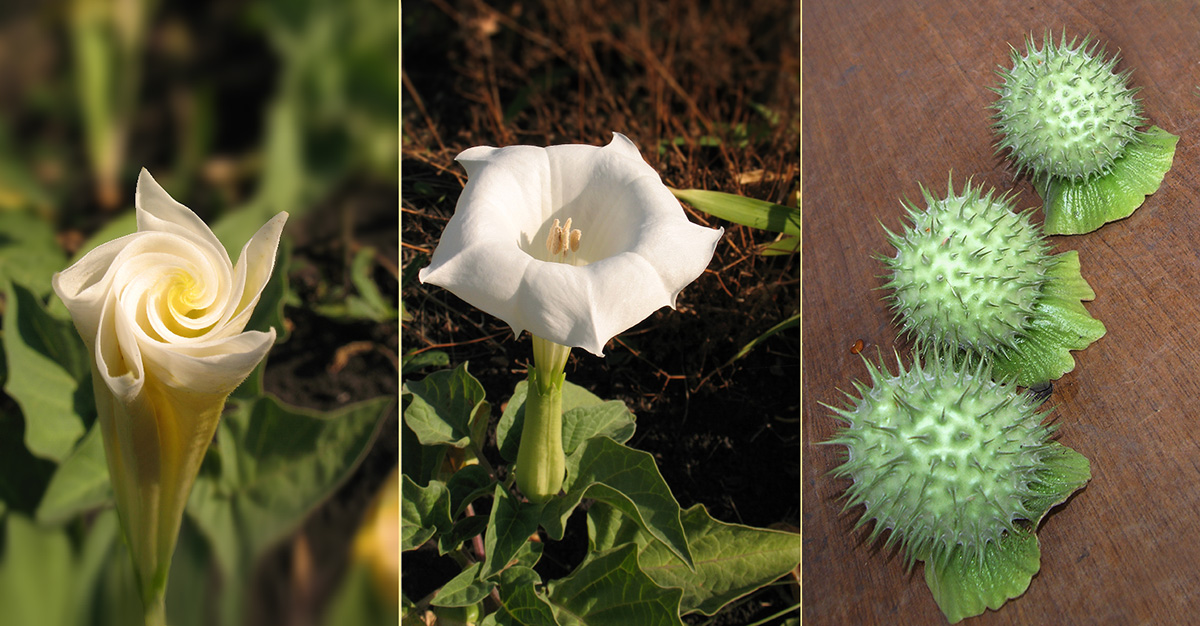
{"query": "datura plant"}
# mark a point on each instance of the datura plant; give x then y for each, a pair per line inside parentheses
(1071, 122)
(959, 470)
(162, 312)
(574, 244)
(970, 273)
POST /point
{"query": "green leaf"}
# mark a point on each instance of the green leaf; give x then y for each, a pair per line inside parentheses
(424, 511)
(356, 601)
(787, 244)
(467, 484)
(731, 560)
(418, 462)
(742, 210)
(610, 589)
(465, 589)
(417, 361)
(80, 483)
(964, 587)
(29, 252)
(271, 466)
(627, 479)
(46, 363)
(443, 405)
(462, 530)
(1066, 471)
(508, 431)
(37, 574)
(611, 419)
(23, 477)
(1074, 208)
(509, 528)
(520, 602)
(1060, 324)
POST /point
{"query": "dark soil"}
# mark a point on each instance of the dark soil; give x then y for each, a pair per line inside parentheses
(670, 75)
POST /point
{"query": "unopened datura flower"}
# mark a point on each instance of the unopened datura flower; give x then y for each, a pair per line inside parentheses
(958, 470)
(970, 273)
(575, 244)
(1069, 120)
(163, 313)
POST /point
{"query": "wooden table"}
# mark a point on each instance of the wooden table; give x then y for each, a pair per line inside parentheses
(895, 94)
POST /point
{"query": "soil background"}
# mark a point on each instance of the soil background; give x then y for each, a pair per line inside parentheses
(709, 92)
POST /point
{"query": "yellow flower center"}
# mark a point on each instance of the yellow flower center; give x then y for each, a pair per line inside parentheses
(183, 301)
(563, 241)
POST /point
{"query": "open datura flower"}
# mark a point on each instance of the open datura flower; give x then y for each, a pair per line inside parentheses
(162, 312)
(575, 244)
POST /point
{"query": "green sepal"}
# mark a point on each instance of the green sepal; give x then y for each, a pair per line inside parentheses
(1064, 472)
(1074, 208)
(1060, 324)
(965, 585)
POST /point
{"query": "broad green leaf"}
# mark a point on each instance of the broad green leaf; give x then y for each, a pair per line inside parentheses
(731, 561)
(742, 210)
(1066, 471)
(965, 587)
(1062, 324)
(1074, 208)
(48, 375)
(467, 484)
(367, 302)
(191, 588)
(418, 462)
(271, 466)
(29, 252)
(508, 431)
(79, 484)
(509, 528)
(627, 479)
(520, 602)
(424, 511)
(99, 545)
(462, 530)
(611, 419)
(465, 589)
(37, 574)
(417, 361)
(442, 407)
(610, 590)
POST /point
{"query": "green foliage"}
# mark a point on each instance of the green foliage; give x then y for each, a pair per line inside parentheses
(648, 562)
(742, 210)
(49, 375)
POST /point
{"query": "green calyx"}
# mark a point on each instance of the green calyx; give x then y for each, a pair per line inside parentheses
(1063, 112)
(968, 272)
(541, 462)
(942, 456)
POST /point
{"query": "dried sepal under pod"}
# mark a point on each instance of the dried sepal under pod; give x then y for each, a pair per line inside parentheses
(970, 273)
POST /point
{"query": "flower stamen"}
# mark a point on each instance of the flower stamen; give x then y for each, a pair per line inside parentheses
(562, 239)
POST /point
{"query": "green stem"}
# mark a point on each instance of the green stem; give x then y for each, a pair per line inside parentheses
(541, 464)
(156, 611)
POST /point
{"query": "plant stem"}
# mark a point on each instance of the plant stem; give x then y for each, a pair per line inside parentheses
(156, 611)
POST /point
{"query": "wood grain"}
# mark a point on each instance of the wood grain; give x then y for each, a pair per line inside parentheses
(895, 94)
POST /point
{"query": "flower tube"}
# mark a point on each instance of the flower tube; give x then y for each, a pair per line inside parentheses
(575, 244)
(162, 311)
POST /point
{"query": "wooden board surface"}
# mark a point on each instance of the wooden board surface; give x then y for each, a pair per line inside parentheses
(895, 94)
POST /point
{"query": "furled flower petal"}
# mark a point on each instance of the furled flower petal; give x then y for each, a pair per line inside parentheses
(163, 312)
(636, 252)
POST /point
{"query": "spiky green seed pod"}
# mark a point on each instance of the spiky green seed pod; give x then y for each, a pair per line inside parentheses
(1062, 110)
(941, 455)
(968, 272)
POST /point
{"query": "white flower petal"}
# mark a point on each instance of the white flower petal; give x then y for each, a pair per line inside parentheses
(638, 249)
